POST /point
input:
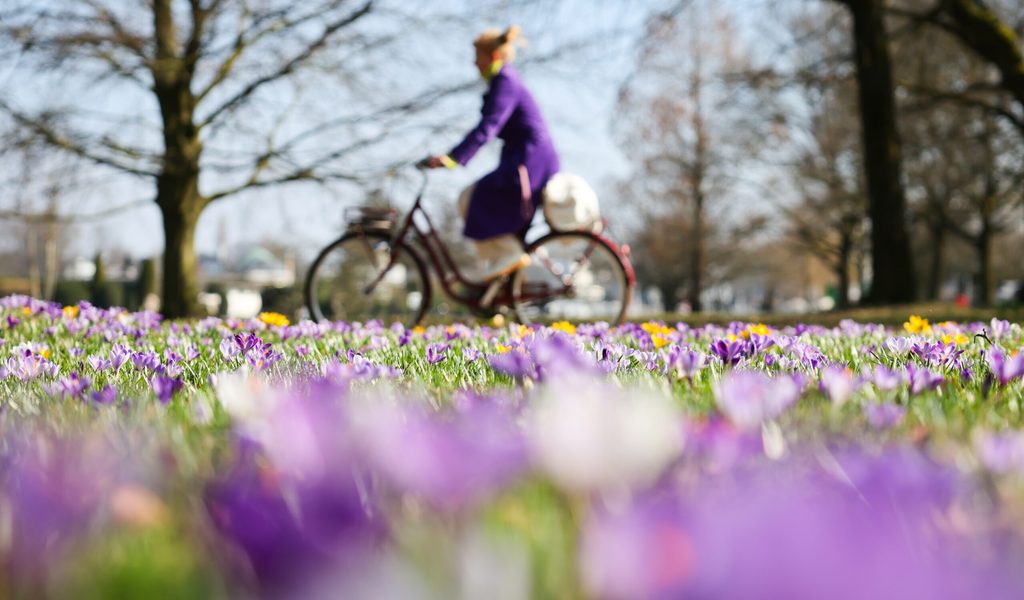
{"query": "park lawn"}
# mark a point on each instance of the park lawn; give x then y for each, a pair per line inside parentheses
(226, 458)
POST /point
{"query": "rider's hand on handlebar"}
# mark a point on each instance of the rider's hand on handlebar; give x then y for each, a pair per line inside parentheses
(431, 162)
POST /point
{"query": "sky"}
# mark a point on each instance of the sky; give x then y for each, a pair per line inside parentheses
(576, 93)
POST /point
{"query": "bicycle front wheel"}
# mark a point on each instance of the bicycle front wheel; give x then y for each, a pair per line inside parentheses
(572, 276)
(362, 277)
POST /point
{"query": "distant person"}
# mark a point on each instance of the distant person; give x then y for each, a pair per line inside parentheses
(499, 207)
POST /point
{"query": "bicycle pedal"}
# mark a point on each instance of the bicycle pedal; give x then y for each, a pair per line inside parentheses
(492, 291)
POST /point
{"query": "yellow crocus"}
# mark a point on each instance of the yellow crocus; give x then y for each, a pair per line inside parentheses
(71, 311)
(916, 324)
(273, 319)
(564, 326)
(959, 339)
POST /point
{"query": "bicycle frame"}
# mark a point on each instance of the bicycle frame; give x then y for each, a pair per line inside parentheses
(447, 270)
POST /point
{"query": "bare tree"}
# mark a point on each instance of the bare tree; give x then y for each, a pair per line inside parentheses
(891, 262)
(963, 168)
(207, 99)
(829, 220)
(687, 129)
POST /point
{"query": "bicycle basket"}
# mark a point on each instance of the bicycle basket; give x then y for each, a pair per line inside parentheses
(370, 217)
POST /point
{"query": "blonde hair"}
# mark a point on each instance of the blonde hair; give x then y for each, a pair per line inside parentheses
(501, 42)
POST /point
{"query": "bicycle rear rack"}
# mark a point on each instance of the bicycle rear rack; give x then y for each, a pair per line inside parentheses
(370, 217)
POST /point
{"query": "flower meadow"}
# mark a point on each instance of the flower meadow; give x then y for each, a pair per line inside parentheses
(263, 459)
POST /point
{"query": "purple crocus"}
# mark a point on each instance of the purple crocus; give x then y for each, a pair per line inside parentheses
(108, 395)
(448, 460)
(885, 378)
(470, 355)
(165, 387)
(749, 398)
(898, 345)
(74, 385)
(436, 353)
(686, 362)
(1005, 369)
(1000, 328)
(515, 363)
(98, 363)
(229, 349)
(291, 531)
(118, 356)
(731, 352)
(838, 384)
(884, 416)
(52, 489)
(1001, 452)
(922, 379)
(868, 534)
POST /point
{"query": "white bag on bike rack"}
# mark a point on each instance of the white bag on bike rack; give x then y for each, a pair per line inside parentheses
(570, 204)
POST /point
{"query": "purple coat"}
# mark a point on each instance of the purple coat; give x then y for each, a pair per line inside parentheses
(498, 205)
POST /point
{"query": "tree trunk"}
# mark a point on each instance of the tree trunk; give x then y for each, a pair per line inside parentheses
(843, 271)
(892, 266)
(697, 254)
(938, 238)
(180, 278)
(983, 278)
(668, 296)
(178, 183)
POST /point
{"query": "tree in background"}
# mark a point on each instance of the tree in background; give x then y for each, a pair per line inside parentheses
(964, 158)
(892, 266)
(98, 291)
(207, 99)
(829, 219)
(147, 283)
(688, 131)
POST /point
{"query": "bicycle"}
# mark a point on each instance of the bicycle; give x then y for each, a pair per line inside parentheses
(376, 270)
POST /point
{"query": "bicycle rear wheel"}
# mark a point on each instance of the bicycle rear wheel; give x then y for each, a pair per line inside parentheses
(573, 275)
(354, 279)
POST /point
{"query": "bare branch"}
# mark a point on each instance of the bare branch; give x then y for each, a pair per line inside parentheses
(74, 218)
(291, 65)
(40, 127)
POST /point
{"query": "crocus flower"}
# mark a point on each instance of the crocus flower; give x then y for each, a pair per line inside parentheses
(165, 387)
(588, 435)
(290, 532)
(74, 385)
(436, 353)
(1005, 369)
(885, 378)
(1000, 328)
(108, 395)
(731, 352)
(515, 363)
(898, 345)
(229, 349)
(868, 534)
(1001, 452)
(884, 416)
(53, 489)
(450, 460)
(749, 398)
(838, 384)
(921, 379)
(687, 362)
(98, 363)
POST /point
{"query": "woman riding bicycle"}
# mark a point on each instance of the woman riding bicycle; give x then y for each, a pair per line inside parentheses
(499, 207)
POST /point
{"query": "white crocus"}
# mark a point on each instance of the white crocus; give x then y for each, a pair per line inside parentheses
(590, 436)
